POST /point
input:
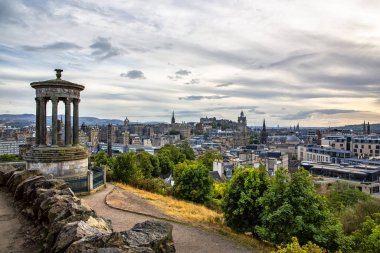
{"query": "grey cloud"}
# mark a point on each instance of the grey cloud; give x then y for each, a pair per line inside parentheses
(133, 74)
(53, 46)
(257, 112)
(193, 81)
(103, 49)
(225, 84)
(183, 72)
(291, 59)
(308, 114)
(192, 98)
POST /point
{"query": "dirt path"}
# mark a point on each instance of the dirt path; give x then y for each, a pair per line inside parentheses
(186, 238)
(11, 234)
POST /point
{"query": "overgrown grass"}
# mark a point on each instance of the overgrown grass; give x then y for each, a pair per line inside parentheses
(196, 215)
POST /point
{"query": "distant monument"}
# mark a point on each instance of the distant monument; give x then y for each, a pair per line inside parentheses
(61, 159)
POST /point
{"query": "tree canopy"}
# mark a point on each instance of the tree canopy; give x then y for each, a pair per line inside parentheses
(209, 157)
(292, 207)
(192, 181)
(240, 204)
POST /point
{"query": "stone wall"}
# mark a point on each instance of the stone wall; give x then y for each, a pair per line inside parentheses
(61, 169)
(69, 225)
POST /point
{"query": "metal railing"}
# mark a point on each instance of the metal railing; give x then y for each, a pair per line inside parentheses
(78, 184)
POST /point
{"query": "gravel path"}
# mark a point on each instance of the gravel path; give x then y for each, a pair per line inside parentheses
(186, 238)
(12, 238)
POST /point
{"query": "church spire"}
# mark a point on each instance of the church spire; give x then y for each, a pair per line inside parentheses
(173, 118)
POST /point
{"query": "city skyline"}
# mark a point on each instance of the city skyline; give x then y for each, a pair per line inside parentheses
(285, 61)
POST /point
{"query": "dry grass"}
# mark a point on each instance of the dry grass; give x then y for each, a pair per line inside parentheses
(196, 215)
(178, 209)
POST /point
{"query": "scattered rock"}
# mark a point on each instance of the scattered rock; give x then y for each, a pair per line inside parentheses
(72, 232)
(6, 173)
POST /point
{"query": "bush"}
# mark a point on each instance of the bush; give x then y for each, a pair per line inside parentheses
(240, 204)
(192, 181)
(354, 216)
(295, 247)
(367, 237)
(292, 207)
(156, 185)
(125, 169)
(9, 158)
(343, 195)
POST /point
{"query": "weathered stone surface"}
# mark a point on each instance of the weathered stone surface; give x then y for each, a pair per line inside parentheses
(31, 192)
(5, 173)
(100, 223)
(72, 232)
(148, 237)
(154, 234)
(20, 176)
(22, 187)
(67, 224)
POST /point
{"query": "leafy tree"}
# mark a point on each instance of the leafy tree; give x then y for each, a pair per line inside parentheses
(209, 157)
(343, 195)
(367, 237)
(174, 153)
(295, 247)
(186, 149)
(8, 158)
(240, 204)
(352, 217)
(144, 163)
(101, 158)
(165, 162)
(156, 166)
(192, 181)
(125, 169)
(174, 132)
(292, 207)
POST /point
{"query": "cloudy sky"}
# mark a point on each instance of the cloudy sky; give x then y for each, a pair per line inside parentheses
(288, 61)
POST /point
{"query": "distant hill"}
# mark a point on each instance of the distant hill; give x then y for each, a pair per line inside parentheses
(374, 127)
(21, 120)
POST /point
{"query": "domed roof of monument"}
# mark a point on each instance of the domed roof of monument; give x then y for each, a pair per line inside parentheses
(58, 82)
(292, 139)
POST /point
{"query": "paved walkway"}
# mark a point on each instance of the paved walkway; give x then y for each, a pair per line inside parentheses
(187, 239)
(11, 234)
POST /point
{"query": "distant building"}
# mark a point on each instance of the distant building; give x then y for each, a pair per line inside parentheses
(364, 177)
(10, 147)
(322, 154)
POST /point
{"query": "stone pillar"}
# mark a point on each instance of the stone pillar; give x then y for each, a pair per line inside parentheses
(90, 180)
(68, 121)
(38, 111)
(54, 119)
(43, 121)
(76, 122)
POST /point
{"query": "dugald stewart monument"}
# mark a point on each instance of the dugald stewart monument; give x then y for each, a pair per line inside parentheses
(53, 155)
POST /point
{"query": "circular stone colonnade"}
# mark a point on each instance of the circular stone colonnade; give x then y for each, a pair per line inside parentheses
(61, 159)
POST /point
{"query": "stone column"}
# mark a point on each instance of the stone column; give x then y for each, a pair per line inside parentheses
(76, 122)
(43, 122)
(38, 110)
(68, 121)
(54, 119)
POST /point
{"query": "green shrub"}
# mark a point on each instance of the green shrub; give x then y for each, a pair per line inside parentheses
(240, 204)
(192, 181)
(9, 158)
(156, 185)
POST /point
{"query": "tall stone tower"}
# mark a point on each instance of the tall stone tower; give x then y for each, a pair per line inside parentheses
(61, 159)
(173, 118)
(264, 134)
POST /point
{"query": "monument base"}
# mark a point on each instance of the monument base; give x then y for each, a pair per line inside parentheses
(61, 169)
(58, 161)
